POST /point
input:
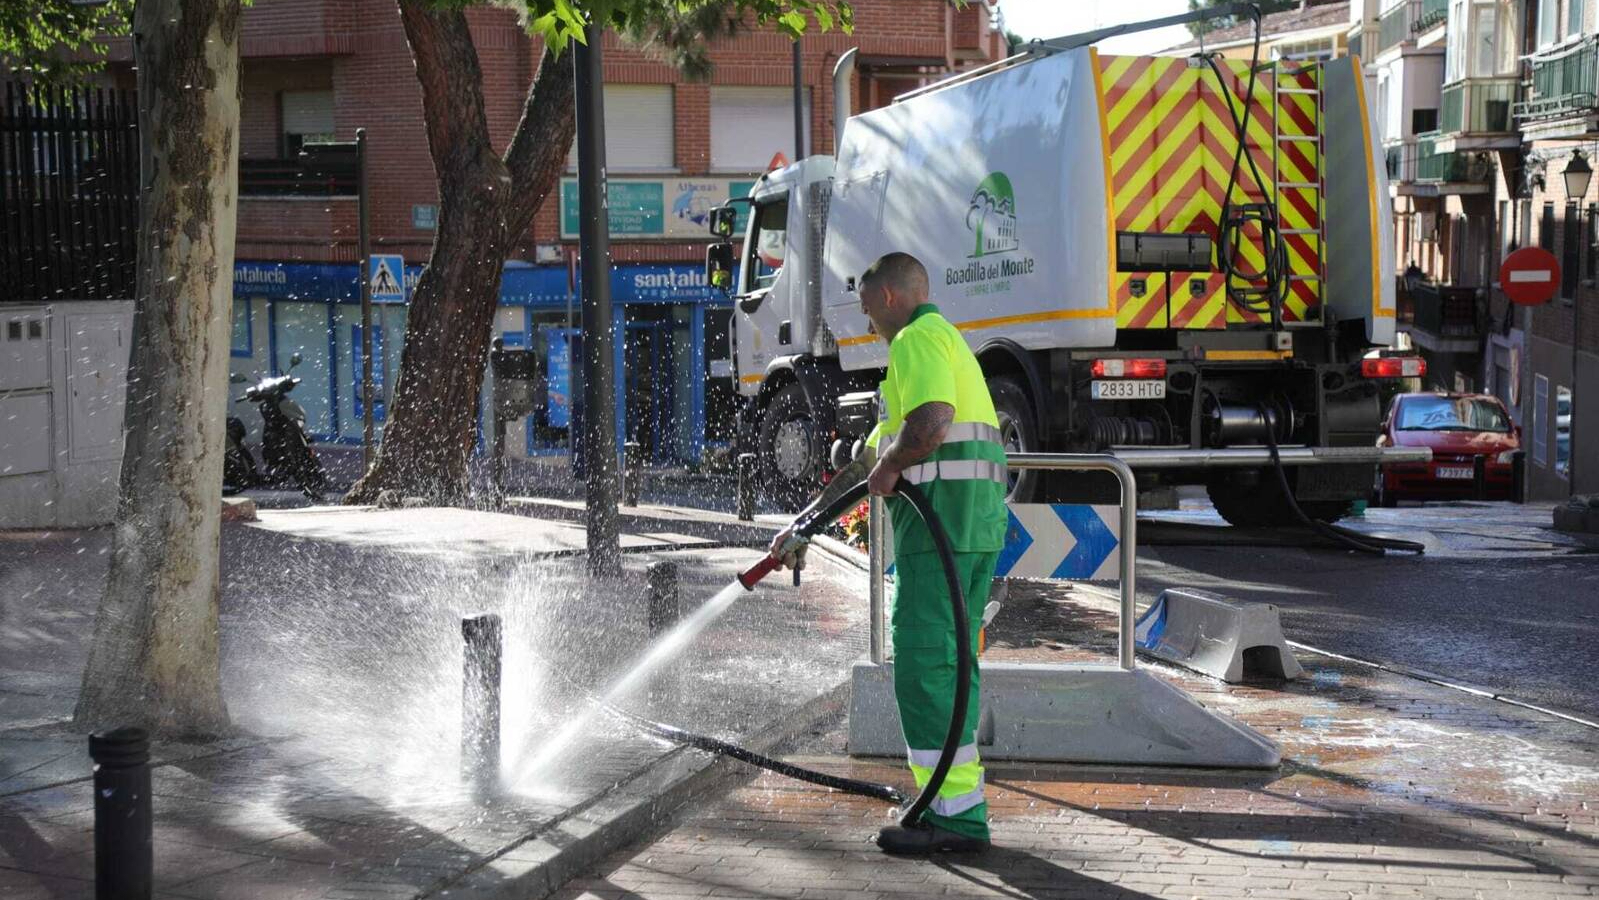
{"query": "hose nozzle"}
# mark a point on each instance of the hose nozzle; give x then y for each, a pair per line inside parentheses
(770, 564)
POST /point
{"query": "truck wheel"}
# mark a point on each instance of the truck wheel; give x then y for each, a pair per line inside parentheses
(790, 452)
(1017, 432)
(1258, 502)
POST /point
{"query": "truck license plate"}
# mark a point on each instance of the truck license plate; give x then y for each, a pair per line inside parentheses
(1455, 472)
(1128, 389)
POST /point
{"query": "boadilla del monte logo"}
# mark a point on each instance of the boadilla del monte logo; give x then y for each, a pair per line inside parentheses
(992, 216)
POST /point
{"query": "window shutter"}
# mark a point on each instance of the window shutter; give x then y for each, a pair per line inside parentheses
(638, 129)
(750, 124)
(308, 112)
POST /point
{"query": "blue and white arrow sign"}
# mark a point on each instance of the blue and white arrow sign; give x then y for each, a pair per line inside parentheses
(1061, 540)
(1054, 540)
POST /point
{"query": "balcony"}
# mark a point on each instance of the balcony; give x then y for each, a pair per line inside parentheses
(1443, 318)
(1433, 13)
(1397, 25)
(1474, 114)
(1447, 171)
(1563, 85)
(326, 173)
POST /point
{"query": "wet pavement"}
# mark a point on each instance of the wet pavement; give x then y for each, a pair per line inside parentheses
(342, 671)
(1499, 600)
(1390, 787)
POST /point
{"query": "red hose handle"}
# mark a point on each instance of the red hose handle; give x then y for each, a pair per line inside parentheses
(755, 573)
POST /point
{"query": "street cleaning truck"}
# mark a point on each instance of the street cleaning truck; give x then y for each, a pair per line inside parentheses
(1183, 261)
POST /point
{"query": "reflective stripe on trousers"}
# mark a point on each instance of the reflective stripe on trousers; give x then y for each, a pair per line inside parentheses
(957, 470)
(963, 785)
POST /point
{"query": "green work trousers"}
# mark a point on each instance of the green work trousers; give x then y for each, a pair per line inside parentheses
(924, 680)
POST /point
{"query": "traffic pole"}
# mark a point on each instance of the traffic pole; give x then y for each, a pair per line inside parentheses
(598, 447)
(364, 227)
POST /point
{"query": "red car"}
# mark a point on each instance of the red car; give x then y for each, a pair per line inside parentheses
(1459, 429)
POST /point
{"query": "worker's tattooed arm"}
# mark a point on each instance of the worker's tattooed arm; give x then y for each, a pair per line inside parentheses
(924, 429)
(847, 477)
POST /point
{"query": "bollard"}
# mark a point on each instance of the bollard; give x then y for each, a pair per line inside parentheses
(1479, 476)
(746, 487)
(663, 609)
(480, 703)
(123, 823)
(1518, 476)
(632, 472)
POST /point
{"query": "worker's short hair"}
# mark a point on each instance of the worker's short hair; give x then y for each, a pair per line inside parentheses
(900, 271)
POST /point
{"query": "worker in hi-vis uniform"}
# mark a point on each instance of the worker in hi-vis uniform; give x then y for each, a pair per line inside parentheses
(937, 431)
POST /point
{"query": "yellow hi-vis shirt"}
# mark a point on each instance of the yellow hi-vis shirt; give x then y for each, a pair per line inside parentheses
(965, 478)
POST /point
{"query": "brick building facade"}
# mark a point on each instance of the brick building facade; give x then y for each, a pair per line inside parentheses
(316, 70)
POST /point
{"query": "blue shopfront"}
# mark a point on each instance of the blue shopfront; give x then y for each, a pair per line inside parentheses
(672, 335)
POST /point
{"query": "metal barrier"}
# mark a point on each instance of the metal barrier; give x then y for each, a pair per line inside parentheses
(1076, 462)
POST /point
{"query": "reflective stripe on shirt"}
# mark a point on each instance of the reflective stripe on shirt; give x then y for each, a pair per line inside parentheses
(957, 470)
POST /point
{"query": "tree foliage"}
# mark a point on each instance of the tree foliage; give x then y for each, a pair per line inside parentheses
(1199, 29)
(59, 40)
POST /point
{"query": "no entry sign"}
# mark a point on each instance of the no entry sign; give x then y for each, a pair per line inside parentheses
(1530, 276)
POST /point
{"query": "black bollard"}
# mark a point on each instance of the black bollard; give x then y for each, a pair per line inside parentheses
(480, 704)
(663, 610)
(746, 487)
(1479, 476)
(1518, 476)
(632, 472)
(123, 823)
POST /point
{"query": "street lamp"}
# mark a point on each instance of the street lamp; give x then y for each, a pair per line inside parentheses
(1577, 175)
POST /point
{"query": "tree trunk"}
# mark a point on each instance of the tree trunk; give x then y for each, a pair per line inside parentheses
(154, 660)
(487, 204)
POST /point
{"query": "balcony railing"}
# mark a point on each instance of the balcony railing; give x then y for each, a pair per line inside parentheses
(1444, 310)
(1563, 83)
(1477, 106)
(1432, 13)
(1454, 167)
(1396, 24)
(328, 175)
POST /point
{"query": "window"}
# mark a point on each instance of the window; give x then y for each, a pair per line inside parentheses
(307, 116)
(242, 342)
(1455, 43)
(1546, 228)
(1540, 403)
(1423, 413)
(771, 235)
(1484, 62)
(1423, 120)
(1306, 51)
(1548, 24)
(1573, 17)
(638, 129)
(1570, 252)
(751, 124)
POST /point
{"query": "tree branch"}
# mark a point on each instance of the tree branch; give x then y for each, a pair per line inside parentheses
(452, 93)
(539, 147)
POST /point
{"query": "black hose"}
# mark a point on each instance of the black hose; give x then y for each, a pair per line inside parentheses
(1365, 543)
(723, 748)
(811, 521)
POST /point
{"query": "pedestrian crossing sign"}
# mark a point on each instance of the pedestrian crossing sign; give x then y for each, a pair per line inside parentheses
(386, 274)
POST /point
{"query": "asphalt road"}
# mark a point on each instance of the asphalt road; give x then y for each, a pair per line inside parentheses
(1499, 600)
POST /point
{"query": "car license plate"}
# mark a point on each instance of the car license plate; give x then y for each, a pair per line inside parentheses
(1127, 389)
(1455, 472)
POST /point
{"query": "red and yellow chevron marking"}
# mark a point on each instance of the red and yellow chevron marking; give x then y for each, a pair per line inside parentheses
(1172, 141)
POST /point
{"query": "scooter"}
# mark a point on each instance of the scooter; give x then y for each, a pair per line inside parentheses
(285, 441)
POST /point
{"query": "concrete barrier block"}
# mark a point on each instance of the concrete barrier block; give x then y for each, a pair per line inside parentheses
(1232, 640)
(1070, 713)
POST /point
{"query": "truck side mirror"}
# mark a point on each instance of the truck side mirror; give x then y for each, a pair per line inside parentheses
(719, 265)
(722, 221)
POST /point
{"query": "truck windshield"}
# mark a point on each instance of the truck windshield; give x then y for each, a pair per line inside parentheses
(767, 243)
(1451, 414)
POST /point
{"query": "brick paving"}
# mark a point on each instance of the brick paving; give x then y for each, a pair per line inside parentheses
(1390, 787)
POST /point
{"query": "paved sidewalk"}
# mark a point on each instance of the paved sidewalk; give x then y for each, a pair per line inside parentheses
(1390, 787)
(342, 671)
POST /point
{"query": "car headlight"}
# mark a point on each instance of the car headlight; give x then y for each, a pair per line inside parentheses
(1506, 458)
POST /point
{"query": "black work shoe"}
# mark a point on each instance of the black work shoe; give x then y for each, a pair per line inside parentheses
(924, 839)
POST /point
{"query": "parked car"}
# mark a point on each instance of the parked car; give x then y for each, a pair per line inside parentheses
(1460, 429)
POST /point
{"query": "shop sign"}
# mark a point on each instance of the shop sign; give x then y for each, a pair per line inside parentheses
(673, 208)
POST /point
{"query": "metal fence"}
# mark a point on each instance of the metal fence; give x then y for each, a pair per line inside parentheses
(1562, 83)
(69, 176)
